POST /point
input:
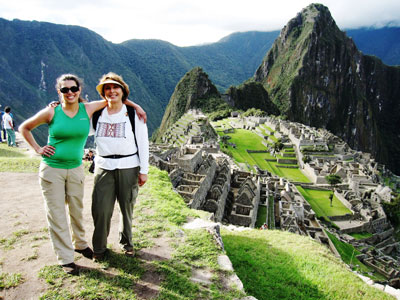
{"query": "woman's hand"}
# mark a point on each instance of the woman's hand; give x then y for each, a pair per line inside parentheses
(139, 110)
(46, 150)
(53, 104)
(142, 179)
(141, 113)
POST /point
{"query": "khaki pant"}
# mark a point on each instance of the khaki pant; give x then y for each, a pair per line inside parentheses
(63, 188)
(111, 185)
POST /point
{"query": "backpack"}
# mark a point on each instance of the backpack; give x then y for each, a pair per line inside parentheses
(131, 115)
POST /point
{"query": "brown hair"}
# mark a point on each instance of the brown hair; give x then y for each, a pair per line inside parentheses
(65, 77)
(117, 78)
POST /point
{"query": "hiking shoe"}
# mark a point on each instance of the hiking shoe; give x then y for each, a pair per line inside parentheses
(87, 252)
(71, 268)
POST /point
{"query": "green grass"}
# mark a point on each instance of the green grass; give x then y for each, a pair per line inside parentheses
(288, 173)
(247, 140)
(19, 164)
(9, 280)
(320, 203)
(6, 151)
(8, 243)
(16, 160)
(94, 283)
(261, 216)
(271, 217)
(348, 254)
(244, 140)
(281, 265)
(360, 235)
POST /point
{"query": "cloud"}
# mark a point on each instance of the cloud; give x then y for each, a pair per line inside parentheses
(183, 22)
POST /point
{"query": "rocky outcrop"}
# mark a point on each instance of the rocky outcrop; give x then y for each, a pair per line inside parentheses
(316, 76)
(194, 90)
(248, 95)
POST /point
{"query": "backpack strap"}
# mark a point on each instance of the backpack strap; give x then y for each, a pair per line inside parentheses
(95, 117)
(131, 115)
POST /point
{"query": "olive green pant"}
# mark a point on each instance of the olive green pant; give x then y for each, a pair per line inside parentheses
(111, 185)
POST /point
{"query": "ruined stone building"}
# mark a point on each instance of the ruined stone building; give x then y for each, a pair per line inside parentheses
(246, 198)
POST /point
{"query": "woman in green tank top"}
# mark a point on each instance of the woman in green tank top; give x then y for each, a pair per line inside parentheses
(61, 172)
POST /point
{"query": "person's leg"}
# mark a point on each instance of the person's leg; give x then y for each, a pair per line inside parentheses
(9, 137)
(127, 191)
(12, 134)
(74, 197)
(52, 182)
(103, 200)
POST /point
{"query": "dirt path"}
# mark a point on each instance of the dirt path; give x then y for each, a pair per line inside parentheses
(22, 211)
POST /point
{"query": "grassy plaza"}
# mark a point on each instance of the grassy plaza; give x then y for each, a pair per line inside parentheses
(320, 203)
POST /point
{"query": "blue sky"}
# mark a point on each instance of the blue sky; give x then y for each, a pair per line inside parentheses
(188, 22)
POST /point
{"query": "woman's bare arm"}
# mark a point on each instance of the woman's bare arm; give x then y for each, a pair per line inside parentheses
(93, 106)
(42, 117)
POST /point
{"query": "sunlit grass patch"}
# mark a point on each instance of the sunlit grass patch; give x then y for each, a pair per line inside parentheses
(19, 164)
(320, 203)
(280, 265)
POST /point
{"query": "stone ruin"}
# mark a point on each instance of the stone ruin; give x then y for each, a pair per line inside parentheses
(205, 182)
(208, 180)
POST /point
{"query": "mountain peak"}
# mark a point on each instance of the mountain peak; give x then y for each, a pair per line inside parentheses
(312, 34)
(316, 76)
(312, 14)
(192, 91)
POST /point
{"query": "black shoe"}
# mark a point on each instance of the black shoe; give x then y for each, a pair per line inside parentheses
(71, 269)
(87, 252)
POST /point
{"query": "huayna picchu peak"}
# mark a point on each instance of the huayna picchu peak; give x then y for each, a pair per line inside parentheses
(194, 90)
(316, 75)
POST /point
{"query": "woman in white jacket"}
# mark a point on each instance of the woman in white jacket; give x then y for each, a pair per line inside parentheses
(121, 164)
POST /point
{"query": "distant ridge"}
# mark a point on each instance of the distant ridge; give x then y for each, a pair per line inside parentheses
(35, 53)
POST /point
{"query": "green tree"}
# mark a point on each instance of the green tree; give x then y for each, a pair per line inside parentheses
(225, 139)
(278, 145)
(333, 180)
(306, 159)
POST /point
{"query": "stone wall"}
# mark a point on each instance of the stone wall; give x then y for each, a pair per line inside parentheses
(190, 159)
(205, 186)
(346, 203)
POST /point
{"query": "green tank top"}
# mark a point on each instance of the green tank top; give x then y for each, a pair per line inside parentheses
(68, 136)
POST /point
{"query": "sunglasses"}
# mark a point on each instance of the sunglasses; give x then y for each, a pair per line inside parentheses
(65, 90)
